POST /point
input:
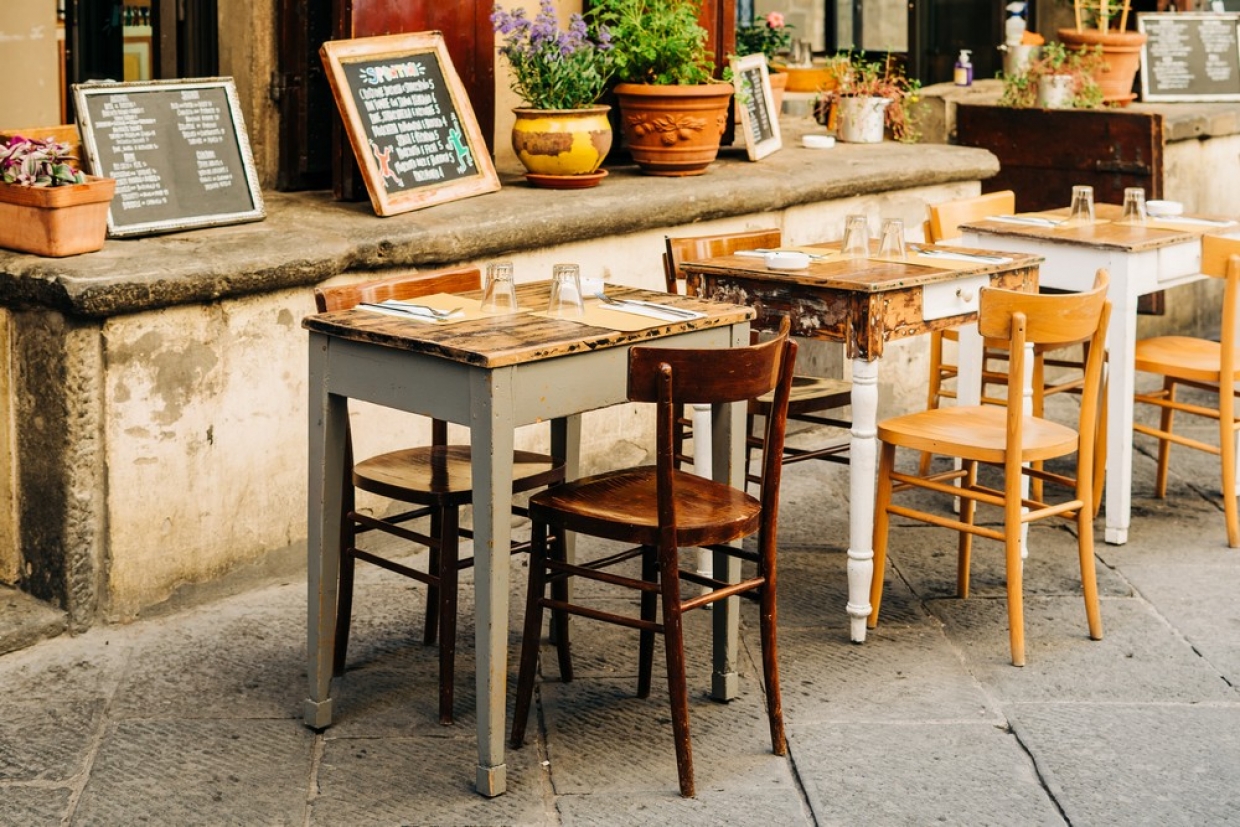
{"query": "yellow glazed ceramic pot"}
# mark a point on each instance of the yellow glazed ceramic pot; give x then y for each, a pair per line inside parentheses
(561, 142)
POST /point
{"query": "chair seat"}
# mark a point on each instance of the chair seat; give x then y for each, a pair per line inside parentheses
(976, 433)
(442, 474)
(810, 393)
(1182, 357)
(622, 505)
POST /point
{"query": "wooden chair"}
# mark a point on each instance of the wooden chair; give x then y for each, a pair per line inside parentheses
(1013, 440)
(661, 509)
(1202, 364)
(435, 478)
(812, 396)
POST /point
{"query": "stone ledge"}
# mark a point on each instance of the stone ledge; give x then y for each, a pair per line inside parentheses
(307, 237)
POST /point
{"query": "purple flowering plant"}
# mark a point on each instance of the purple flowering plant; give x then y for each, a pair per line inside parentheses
(554, 69)
(34, 162)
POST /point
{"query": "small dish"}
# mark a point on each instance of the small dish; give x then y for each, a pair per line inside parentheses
(1162, 209)
(786, 260)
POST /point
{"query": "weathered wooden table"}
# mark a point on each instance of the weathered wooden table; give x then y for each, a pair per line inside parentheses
(493, 375)
(1141, 259)
(865, 303)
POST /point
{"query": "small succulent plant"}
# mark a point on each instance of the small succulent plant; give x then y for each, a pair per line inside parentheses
(33, 162)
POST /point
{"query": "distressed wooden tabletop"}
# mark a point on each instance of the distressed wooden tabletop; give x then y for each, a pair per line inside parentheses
(1109, 232)
(500, 341)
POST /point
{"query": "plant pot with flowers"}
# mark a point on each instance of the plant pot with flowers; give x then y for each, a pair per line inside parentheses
(1055, 79)
(1102, 25)
(47, 205)
(672, 113)
(870, 99)
(562, 135)
(771, 37)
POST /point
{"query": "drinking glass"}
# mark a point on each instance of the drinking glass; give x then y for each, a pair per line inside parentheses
(856, 236)
(1134, 205)
(892, 244)
(1082, 204)
(500, 294)
(566, 297)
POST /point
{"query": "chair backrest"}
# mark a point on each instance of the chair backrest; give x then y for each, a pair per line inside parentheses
(674, 377)
(695, 248)
(946, 218)
(1220, 257)
(1051, 319)
(407, 286)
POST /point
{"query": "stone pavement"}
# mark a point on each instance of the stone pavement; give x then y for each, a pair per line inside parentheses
(195, 718)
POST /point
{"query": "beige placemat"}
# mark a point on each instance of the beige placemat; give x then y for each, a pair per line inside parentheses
(470, 308)
(1186, 226)
(937, 262)
(599, 315)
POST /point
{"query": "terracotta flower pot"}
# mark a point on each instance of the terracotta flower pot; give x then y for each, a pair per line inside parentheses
(1121, 53)
(56, 221)
(779, 84)
(562, 142)
(673, 130)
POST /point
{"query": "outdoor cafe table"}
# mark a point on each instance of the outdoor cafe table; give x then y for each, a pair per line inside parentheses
(1141, 259)
(493, 374)
(865, 303)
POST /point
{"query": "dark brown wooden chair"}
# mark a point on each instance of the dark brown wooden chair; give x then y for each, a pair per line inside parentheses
(661, 509)
(812, 396)
(434, 478)
(1011, 439)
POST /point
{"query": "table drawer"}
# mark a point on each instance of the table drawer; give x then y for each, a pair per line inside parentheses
(952, 298)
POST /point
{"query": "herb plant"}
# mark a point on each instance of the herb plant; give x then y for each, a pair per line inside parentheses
(656, 41)
(859, 77)
(1020, 90)
(554, 69)
(34, 162)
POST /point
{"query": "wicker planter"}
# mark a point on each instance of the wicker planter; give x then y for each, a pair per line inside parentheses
(56, 221)
(673, 130)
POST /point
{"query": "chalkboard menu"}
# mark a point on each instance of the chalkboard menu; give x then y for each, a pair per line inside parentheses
(1190, 56)
(408, 120)
(178, 150)
(759, 120)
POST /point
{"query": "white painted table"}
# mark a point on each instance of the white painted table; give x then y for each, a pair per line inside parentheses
(863, 303)
(1141, 259)
(492, 375)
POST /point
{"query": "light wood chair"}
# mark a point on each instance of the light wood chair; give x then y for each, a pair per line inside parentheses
(434, 478)
(1206, 365)
(660, 509)
(1010, 438)
(812, 396)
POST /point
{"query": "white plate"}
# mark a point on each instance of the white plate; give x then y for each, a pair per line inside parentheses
(1164, 209)
(790, 260)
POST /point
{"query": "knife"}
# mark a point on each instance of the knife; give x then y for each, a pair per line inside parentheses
(399, 310)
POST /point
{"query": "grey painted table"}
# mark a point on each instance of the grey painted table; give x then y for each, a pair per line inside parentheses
(493, 375)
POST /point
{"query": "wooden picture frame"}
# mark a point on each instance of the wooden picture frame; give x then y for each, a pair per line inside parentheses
(1190, 56)
(755, 105)
(178, 150)
(409, 121)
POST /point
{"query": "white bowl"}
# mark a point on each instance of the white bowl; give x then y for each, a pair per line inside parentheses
(1162, 209)
(786, 260)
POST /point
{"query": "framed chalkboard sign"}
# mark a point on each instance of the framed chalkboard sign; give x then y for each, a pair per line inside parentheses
(408, 120)
(759, 120)
(1190, 56)
(178, 150)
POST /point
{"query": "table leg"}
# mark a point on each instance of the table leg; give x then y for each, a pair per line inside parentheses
(566, 445)
(862, 471)
(326, 452)
(1121, 385)
(491, 440)
(727, 466)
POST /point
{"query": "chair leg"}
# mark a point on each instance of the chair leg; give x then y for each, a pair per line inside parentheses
(964, 543)
(1164, 445)
(767, 621)
(649, 611)
(433, 595)
(932, 394)
(531, 635)
(1089, 574)
(559, 618)
(1227, 456)
(1014, 564)
(344, 588)
(1100, 451)
(674, 645)
(449, 555)
(882, 523)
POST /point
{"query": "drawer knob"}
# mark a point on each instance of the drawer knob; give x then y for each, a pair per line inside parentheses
(965, 294)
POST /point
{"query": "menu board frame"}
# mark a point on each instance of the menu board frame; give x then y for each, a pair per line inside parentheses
(759, 120)
(1150, 90)
(375, 161)
(236, 145)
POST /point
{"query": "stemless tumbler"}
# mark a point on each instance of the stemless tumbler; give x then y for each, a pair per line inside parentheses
(892, 244)
(856, 236)
(500, 295)
(1082, 204)
(566, 297)
(1134, 205)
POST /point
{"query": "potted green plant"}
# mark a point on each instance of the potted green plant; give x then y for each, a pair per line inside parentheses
(1055, 79)
(1103, 24)
(871, 98)
(562, 134)
(672, 112)
(771, 37)
(48, 206)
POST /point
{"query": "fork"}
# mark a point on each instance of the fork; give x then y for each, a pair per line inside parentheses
(416, 310)
(434, 311)
(674, 311)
